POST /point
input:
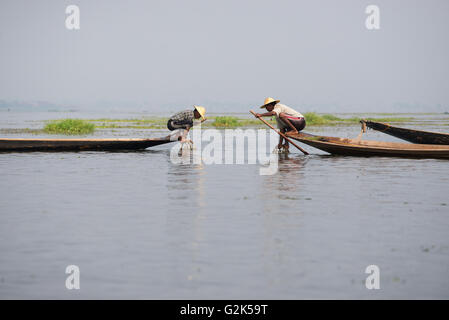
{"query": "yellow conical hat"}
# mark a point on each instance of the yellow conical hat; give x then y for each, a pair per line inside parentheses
(268, 101)
(201, 110)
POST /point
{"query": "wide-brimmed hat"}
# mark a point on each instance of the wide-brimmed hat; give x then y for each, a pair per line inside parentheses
(201, 110)
(268, 101)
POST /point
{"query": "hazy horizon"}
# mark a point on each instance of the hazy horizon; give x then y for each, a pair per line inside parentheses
(227, 55)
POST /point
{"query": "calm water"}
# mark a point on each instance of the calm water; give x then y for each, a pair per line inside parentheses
(140, 226)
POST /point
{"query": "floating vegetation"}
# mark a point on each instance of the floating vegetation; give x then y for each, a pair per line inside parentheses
(76, 126)
(390, 119)
(161, 123)
(20, 131)
(226, 122)
(233, 122)
(315, 119)
(69, 127)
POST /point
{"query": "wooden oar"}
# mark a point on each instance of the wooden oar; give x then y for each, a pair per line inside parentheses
(281, 134)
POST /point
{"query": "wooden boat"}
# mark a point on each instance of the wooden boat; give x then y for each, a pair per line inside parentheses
(414, 136)
(13, 144)
(368, 148)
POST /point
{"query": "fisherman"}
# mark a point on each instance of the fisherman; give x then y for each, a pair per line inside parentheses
(289, 121)
(184, 120)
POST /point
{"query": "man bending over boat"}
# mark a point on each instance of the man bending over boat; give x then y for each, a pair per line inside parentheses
(183, 121)
(289, 121)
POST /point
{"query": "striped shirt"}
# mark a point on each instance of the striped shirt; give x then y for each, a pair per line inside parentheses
(185, 117)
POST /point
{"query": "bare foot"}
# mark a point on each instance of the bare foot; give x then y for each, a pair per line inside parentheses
(188, 143)
(292, 132)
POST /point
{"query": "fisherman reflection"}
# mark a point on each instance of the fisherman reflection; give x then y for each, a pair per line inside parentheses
(288, 180)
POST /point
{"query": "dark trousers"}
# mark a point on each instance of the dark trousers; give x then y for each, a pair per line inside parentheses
(298, 123)
(171, 125)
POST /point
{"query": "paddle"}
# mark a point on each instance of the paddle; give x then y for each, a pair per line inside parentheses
(281, 134)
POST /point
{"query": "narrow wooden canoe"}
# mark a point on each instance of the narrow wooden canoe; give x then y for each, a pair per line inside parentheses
(414, 136)
(13, 144)
(368, 148)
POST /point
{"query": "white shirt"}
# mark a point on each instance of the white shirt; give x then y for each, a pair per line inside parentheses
(278, 108)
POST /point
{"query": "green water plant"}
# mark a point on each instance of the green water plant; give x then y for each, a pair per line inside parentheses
(226, 122)
(69, 127)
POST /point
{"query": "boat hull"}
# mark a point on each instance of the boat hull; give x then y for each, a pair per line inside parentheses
(414, 136)
(367, 148)
(11, 144)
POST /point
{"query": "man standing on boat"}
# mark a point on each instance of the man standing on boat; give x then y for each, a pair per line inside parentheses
(183, 121)
(289, 121)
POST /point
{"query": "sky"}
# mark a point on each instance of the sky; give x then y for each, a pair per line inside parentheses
(228, 55)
